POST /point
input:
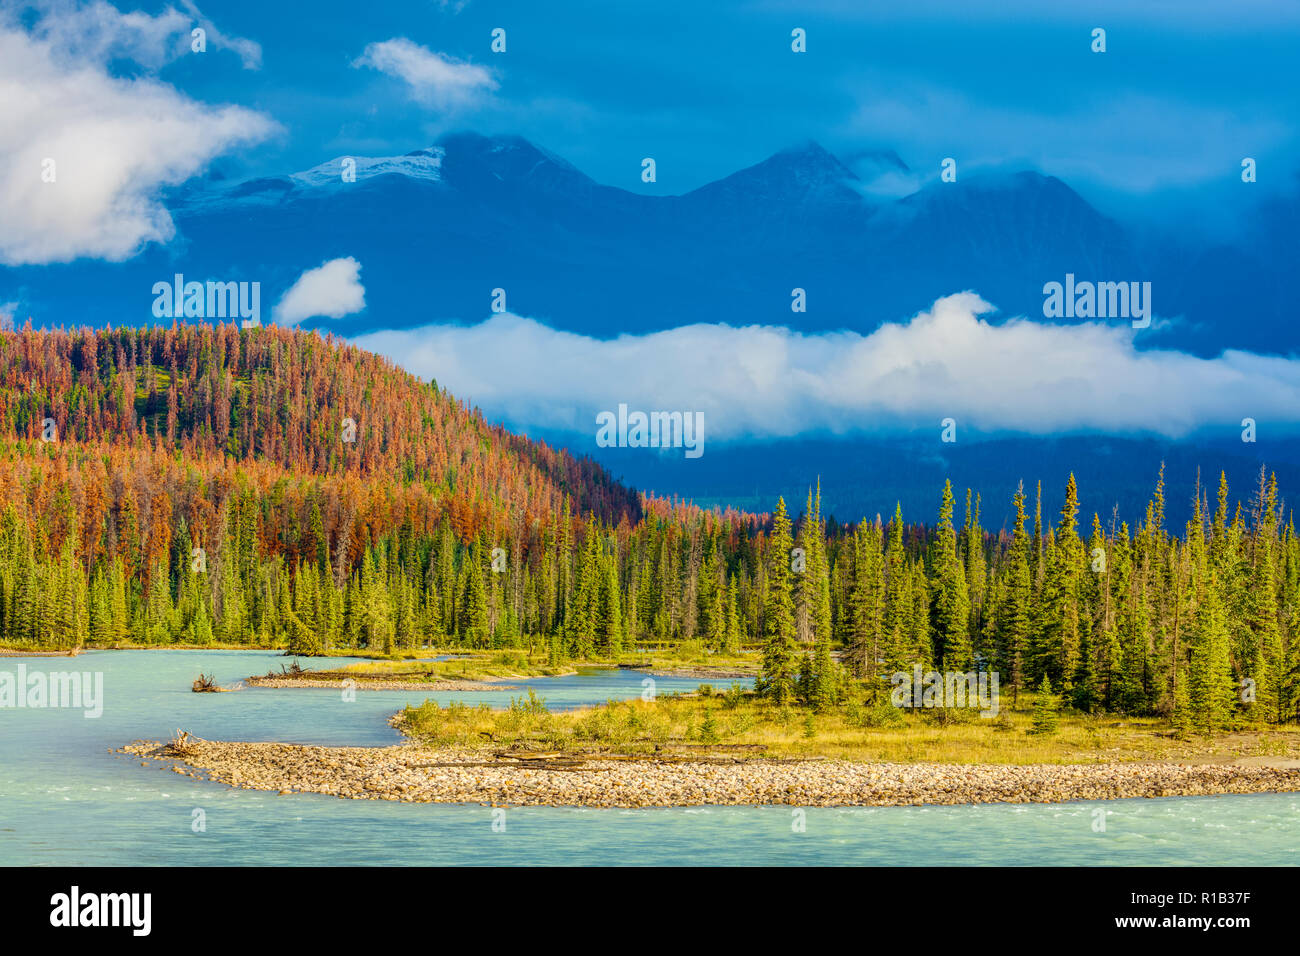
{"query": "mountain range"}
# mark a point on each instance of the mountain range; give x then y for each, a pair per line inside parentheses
(438, 229)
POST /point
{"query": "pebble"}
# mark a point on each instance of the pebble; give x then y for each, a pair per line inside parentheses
(402, 773)
(372, 684)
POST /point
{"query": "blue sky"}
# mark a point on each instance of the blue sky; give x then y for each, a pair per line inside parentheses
(1183, 91)
(1154, 128)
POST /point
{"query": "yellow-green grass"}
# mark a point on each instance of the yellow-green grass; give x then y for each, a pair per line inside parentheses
(739, 724)
(690, 654)
(508, 664)
(133, 646)
(129, 645)
(497, 665)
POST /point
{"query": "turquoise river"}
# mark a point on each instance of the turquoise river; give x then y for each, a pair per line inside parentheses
(65, 799)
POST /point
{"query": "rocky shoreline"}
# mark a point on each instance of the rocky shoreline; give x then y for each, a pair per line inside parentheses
(416, 774)
(363, 683)
(10, 652)
(704, 673)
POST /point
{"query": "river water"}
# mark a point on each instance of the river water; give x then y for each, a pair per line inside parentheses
(66, 800)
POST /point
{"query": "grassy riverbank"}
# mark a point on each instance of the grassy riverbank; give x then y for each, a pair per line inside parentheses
(739, 723)
(18, 649)
(509, 665)
(688, 659)
(710, 748)
(460, 673)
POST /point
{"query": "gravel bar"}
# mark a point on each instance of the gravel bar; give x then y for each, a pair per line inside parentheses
(416, 774)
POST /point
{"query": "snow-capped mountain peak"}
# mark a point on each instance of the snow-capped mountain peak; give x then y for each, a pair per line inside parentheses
(419, 164)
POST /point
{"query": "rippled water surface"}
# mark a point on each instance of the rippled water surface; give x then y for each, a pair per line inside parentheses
(64, 799)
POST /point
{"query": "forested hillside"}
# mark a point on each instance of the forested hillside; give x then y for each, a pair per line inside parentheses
(201, 485)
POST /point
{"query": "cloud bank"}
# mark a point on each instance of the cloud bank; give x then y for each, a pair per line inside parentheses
(770, 382)
(86, 152)
(433, 79)
(98, 31)
(1183, 141)
(333, 289)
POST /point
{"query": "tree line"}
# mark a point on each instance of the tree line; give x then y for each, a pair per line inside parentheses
(142, 522)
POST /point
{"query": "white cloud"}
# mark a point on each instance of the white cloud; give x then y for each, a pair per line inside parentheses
(114, 142)
(1182, 142)
(98, 31)
(249, 53)
(764, 381)
(890, 184)
(8, 310)
(333, 289)
(434, 79)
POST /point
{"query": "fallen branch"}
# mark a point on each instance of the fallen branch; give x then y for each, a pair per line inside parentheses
(206, 684)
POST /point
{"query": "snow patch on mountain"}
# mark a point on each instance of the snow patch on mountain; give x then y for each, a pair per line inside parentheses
(420, 164)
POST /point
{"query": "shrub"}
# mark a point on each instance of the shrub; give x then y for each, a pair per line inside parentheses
(733, 696)
(517, 659)
(1045, 708)
(709, 729)
(858, 713)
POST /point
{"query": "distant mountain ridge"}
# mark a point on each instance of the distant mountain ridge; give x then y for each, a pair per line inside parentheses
(438, 228)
